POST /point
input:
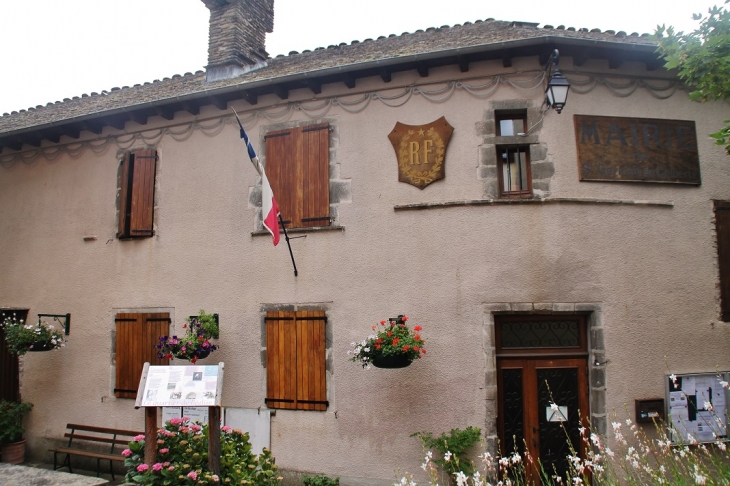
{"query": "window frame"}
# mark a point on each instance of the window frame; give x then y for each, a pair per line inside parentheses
(296, 355)
(297, 167)
(138, 172)
(143, 337)
(523, 192)
(580, 350)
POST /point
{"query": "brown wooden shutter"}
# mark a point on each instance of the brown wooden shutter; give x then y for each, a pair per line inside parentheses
(124, 195)
(297, 165)
(311, 353)
(143, 193)
(316, 176)
(280, 360)
(137, 336)
(295, 360)
(281, 168)
(722, 225)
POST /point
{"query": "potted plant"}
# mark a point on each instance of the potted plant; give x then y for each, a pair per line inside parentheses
(12, 444)
(392, 345)
(22, 337)
(195, 344)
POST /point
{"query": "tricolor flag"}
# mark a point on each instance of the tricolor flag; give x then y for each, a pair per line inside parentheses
(269, 208)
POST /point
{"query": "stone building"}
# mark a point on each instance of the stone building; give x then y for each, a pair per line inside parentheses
(578, 247)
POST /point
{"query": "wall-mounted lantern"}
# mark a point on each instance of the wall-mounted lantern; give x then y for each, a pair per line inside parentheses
(556, 93)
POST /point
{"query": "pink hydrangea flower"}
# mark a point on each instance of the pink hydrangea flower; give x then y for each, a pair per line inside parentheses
(126, 452)
(157, 467)
(176, 421)
(139, 438)
(226, 428)
(193, 475)
(142, 467)
(164, 451)
(196, 428)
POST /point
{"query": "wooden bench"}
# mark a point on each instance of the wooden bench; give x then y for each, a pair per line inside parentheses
(81, 436)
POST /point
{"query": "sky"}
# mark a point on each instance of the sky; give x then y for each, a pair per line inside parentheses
(56, 49)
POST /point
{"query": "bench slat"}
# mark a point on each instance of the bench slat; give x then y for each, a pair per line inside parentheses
(96, 438)
(103, 430)
(80, 452)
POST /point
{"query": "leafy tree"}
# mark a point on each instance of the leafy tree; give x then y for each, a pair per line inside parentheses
(703, 60)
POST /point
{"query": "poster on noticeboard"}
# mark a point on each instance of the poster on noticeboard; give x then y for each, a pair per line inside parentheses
(180, 386)
(697, 406)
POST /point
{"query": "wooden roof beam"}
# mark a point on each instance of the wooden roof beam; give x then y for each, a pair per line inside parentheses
(138, 116)
(71, 131)
(463, 63)
(314, 85)
(219, 102)
(167, 111)
(506, 58)
(12, 144)
(92, 126)
(281, 91)
(349, 80)
(580, 57)
(385, 75)
(422, 68)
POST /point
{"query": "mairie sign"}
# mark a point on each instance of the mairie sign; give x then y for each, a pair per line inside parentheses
(421, 151)
(620, 149)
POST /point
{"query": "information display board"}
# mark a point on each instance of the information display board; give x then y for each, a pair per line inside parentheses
(697, 406)
(180, 386)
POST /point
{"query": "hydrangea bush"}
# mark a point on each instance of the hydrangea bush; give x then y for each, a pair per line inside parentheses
(182, 458)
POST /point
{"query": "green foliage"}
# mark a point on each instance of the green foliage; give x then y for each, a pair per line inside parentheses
(206, 323)
(182, 458)
(11, 420)
(453, 449)
(22, 337)
(319, 480)
(703, 60)
(195, 344)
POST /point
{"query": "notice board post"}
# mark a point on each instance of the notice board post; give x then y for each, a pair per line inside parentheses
(182, 386)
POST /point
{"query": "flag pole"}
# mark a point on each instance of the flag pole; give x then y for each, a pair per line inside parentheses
(286, 237)
(261, 171)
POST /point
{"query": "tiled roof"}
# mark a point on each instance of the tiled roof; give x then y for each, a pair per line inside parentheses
(488, 35)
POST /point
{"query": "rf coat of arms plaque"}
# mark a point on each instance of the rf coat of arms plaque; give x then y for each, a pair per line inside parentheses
(421, 151)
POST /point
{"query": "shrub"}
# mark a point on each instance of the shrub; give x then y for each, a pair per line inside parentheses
(320, 480)
(182, 458)
(11, 420)
(453, 448)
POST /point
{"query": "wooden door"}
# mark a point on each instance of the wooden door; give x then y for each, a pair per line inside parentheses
(542, 378)
(543, 403)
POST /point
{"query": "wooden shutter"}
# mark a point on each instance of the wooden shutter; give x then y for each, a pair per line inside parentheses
(281, 360)
(722, 225)
(297, 165)
(9, 369)
(295, 360)
(137, 194)
(137, 336)
(311, 379)
(316, 176)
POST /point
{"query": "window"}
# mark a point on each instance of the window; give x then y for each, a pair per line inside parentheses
(137, 194)
(295, 360)
(510, 124)
(722, 226)
(136, 338)
(297, 165)
(515, 178)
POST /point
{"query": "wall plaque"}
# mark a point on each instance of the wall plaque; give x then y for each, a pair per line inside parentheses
(421, 151)
(621, 149)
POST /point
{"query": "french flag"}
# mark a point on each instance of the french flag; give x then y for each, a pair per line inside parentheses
(270, 210)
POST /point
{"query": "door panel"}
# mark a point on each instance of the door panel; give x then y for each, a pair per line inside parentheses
(541, 403)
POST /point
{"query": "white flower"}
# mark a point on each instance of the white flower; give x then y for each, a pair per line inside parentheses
(673, 377)
(461, 478)
(616, 426)
(367, 350)
(721, 446)
(724, 384)
(447, 456)
(554, 407)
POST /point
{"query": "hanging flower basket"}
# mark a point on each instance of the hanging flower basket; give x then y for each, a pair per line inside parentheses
(195, 344)
(392, 345)
(22, 337)
(392, 361)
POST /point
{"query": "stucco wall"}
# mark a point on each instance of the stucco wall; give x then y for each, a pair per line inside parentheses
(651, 269)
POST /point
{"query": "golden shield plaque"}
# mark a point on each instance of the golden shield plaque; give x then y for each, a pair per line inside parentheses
(421, 151)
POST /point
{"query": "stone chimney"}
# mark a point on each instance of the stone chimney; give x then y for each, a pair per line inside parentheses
(237, 36)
